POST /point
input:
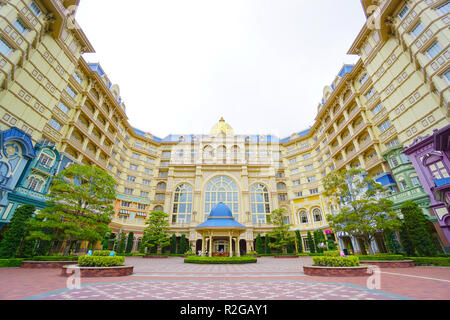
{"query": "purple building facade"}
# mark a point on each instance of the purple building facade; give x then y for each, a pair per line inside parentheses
(430, 157)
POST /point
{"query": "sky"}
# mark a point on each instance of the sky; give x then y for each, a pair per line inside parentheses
(181, 65)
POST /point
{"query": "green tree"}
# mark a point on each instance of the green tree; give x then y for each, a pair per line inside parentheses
(363, 209)
(267, 244)
(330, 243)
(80, 207)
(105, 243)
(418, 229)
(312, 247)
(130, 242)
(182, 248)
(173, 244)
(27, 249)
(406, 242)
(16, 231)
(121, 248)
(259, 244)
(298, 239)
(281, 232)
(392, 242)
(156, 234)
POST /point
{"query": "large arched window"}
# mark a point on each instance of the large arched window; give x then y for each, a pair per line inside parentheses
(259, 202)
(222, 189)
(317, 214)
(182, 204)
(303, 216)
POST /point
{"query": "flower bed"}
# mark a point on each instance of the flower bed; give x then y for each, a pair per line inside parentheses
(100, 261)
(88, 272)
(336, 266)
(220, 260)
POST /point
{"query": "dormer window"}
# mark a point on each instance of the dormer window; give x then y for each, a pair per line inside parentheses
(403, 12)
(36, 10)
(20, 26)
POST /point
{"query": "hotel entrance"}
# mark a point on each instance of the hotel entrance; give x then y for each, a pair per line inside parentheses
(221, 248)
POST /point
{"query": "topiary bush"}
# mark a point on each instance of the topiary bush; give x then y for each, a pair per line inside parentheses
(220, 260)
(100, 261)
(333, 253)
(349, 261)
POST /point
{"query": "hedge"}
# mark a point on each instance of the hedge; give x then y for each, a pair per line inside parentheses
(311, 254)
(100, 261)
(55, 258)
(101, 253)
(333, 253)
(220, 260)
(349, 261)
(430, 261)
(382, 257)
(10, 263)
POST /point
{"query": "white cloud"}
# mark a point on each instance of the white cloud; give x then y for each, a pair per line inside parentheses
(182, 64)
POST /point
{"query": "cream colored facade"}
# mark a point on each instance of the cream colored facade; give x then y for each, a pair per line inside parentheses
(396, 92)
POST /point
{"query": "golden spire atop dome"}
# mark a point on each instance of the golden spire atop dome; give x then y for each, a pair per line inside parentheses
(222, 128)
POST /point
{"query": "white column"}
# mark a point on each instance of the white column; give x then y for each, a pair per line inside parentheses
(210, 246)
(231, 246)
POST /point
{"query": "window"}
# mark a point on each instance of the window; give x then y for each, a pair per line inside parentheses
(282, 197)
(259, 201)
(77, 77)
(434, 50)
(34, 184)
(415, 181)
(386, 125)
(166, 154)
(63, 107)
(303, 216)
(144, 194)
(160, 197)
(146, 182)
(309, 167)
(136, 156)
(281, 186)
(294, 160)
(36, 10)
(296, 182)
(403, 185)
(298, 194)
(295, 171)
(392, 143)
(45, 161)
(126, 204)
(221, 189)
(311, 179)
(405, 158)
(403, 12)
(370, 94)
(128, 191)
(286, 220)
(394, 162)
(444, 9)
(133, 167)
(55, 124)
(131, 178)
(364, 79)
(165, 163)
(71, 92)
(317, 214)
(150, 160)
(314, 191)
(306, 156)
(5, 48)
(418, 29)
(161, 186)
(148, 171)
(447, 76)
(20, 26)
(377, 109)
(142, 206)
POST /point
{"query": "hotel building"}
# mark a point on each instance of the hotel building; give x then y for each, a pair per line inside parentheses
(57, 109)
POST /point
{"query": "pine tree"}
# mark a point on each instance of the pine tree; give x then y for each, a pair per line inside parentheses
(298, 239)
(259, 245)
(182, 248)
(418, 230)
(130, 242)
(312, 248)
(16, 231)
(156, 234)
(406, 241)
(173, 244)
(267, 246)
(122, 240)
(392, 242)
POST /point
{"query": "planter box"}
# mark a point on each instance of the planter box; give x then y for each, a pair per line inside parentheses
(390, 263)
(91, 272)
(360, 271)
(285, 256)
(155, 257)
(45, 264)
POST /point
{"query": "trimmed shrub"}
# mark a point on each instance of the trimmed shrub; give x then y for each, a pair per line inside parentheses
(129, 242)
(382, 257)
(349, 261)
(267, 248)
(101, 253)
(55, 258)
(121, 248)
(100, 261)
(298, 240)
(309, 254)
(220, 260)
(333, 253)
(430, 261)
(182, 248)
(173, 244)
(259, 244)
(10, 263)
(312, 247)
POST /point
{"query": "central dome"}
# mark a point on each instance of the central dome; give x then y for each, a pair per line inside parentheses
(221, 210)
(222, 127)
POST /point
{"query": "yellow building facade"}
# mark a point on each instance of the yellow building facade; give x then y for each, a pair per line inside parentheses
(397, 91)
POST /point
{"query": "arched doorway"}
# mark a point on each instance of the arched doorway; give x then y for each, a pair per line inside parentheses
(243, 247)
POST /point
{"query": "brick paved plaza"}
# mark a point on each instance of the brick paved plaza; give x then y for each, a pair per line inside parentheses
(269, 279)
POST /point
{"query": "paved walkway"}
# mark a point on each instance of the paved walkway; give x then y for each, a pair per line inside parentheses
(269, 279)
